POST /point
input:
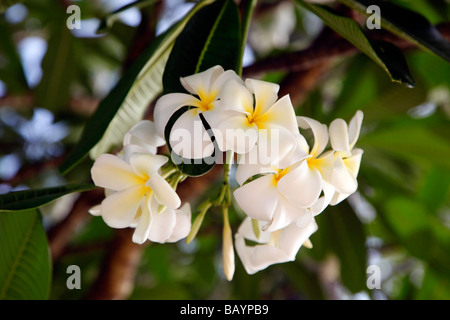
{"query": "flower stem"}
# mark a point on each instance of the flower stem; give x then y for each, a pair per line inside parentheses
(204, 207)
(224, 198)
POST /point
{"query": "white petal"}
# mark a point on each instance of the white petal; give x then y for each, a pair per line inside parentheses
(235, 96)
(325, 200)
(189, 138)
(257, 257)
(339, 197)
(146, 165)
(144, 134)
(339, 136)
(164, 194)
(96, 210)
(266, 93)
(131, 149)
(258, 198)
(162, 225)
(302, 186)
(285, 214)
(183, 224)
(235, 133)
(342, 179)
(319, 131)
(274, 144)
(201, 81)
(352, 163)
(325, 164)
(119, 209)
(354, 128)
(281, 114)
(113, 173)
(142, 230)
(166, 106)
(246, 229)
(293, 237)
(248, 166)
(219, 82)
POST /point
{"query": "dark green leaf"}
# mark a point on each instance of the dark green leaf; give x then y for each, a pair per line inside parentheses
(306, 281)
(211, 37)
(58, 69)
(410, 142)
(420, 232)
(11, 71)
(407, 24)
(342, 233)
(25, 269)
(29, 199)
(386, 55)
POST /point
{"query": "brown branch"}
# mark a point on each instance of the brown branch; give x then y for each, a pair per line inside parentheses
(298, 84)
(321, 52)
(61, 234)
(117, 273)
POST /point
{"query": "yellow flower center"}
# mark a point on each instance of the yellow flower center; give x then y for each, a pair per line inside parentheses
(314, 163)
(206, 99)
(280, 174)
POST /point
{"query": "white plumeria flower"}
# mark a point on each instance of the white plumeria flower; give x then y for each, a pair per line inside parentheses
(135, 192)
(252, 114)
(188, 137)
(347, 158)
(142, 138)
(271, 247)
(273, 196)
(292, 191)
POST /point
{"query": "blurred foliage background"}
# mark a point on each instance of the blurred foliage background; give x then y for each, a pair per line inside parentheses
(52, 79)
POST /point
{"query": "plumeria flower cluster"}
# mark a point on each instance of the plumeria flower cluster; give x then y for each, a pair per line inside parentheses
(138, 193)
(284, 181)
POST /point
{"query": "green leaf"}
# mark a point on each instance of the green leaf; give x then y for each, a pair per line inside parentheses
(128, 100)
(25, 269)
(342, 233)
(305, 281)
(410, 142)
(385, 54)
(11, 72)
(435, 188)
(434, 286)
(421, 233)
(407, 24)
(108, 21)
(53, 92)
(212, 37)
(29, 199)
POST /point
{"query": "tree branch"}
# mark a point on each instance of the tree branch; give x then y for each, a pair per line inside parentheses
(321, 52)
(59, 236)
